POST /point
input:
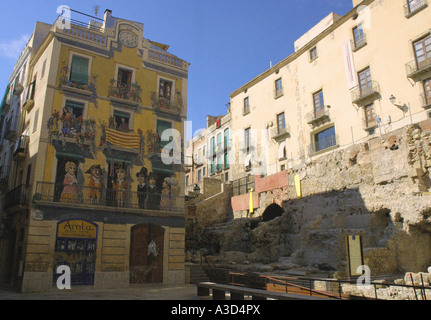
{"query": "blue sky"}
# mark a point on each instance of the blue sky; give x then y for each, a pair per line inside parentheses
(227, 42)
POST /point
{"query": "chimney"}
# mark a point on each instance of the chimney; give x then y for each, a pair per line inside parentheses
(107, 19)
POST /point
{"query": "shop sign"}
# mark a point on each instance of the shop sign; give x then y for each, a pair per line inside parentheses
(76, 229)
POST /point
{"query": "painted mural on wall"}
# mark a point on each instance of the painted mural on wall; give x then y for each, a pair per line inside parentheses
(159, 102)
(76, 139)
(64, 80)
(69, 193)
(67, 127)
(95, 184)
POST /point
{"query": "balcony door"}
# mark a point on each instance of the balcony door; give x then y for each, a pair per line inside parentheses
(423, 52)
(124, 81)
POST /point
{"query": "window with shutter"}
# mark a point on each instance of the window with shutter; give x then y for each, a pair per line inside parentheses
(79, 70)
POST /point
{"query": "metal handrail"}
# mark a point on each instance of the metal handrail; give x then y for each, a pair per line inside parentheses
(250, 280)
(108, 197)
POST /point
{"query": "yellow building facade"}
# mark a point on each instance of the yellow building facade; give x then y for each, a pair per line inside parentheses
(98, 184)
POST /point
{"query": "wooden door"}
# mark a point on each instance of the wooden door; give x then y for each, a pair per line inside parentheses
(146, 254)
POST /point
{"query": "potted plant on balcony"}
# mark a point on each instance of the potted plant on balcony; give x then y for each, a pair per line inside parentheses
(135, 92)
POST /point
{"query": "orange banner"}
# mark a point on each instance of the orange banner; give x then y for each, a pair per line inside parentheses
(123, 139)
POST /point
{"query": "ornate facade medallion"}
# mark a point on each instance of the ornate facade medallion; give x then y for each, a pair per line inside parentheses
(128, 39)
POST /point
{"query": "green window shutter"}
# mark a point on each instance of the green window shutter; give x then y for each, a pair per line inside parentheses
(162, 126)
(79, 70)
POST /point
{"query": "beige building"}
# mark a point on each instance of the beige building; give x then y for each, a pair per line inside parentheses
(351, 78)
(208, 153)
(195, 161)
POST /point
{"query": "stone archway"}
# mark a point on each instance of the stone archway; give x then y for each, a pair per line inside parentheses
(271, 212)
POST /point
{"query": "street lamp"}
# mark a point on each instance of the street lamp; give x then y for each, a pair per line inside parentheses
(393, 100)
(196, 190)
(404, 108)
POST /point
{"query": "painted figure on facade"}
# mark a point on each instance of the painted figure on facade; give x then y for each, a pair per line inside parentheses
(165, 199)
(153, 194)
(95, 183)
(69, 192)
(120, 184)
(123, 126)
(169, 191)
(142, 187)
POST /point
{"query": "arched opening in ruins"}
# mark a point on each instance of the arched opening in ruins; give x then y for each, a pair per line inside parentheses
(271, 212)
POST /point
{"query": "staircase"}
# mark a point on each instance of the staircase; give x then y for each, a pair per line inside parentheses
(197, 274)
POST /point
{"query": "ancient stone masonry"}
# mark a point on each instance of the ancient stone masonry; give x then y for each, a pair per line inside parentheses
(378, 189)
(419, 158)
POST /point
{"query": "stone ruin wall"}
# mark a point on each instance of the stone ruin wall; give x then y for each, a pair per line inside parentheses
(378, 189)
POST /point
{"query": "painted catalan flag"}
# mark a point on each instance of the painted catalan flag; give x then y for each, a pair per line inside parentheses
(123, 139)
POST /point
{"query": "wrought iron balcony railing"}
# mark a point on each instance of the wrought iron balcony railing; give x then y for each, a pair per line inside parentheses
(415, 69)
(278, 93)
(414, 6)
(4, 176)
(52, 193)
(11, 127)
(425, 100)
(316, 116)
(358, 43)
(17, 197)
(131, 92)
(369, 124)
(361, 94)
(21, 147)
(280, 132)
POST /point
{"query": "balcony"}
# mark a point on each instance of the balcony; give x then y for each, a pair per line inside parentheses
(4, 177)
(18, 90)
(11, 127)
(128, 95)
(369, 124)
(364, 94)
(415, 7)
(167, 59)
(318, 116)
(80, 31)
(18, 197)
(21, 148)
(425, 100)
(29, 99)
(279, 133)
(418, 71)
(278, 93)
(165, 105)
(49, 193)
(359, 42)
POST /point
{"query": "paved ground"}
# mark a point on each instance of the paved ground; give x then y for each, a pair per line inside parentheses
(144, 292)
